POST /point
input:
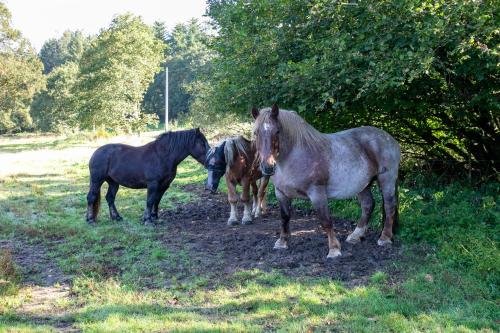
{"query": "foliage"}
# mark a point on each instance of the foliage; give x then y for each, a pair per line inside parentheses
(20, 77)
(57, 51)
(186, 57)
(54, 109)
(426, 71)
(114, 74)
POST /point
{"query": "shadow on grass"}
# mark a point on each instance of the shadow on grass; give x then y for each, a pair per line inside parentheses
(288, 305)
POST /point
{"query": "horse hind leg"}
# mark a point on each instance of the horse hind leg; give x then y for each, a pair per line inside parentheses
(367, 204)
(110, 198)
(232, 197)
(388, 186)
(93, 201)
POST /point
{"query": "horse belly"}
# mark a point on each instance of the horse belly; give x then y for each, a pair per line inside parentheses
(346, 182)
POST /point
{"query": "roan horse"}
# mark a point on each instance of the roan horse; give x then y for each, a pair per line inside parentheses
(152, 166)
(235, 159)
(305, 163)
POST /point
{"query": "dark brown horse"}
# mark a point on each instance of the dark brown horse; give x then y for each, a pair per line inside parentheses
(305, 163)
(152, 166)
(235, 159)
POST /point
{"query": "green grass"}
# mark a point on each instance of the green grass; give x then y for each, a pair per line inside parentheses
(117, 270)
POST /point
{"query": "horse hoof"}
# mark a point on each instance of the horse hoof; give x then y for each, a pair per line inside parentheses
(384, 242)
(91, 222)
(232, 222)
(333, 253)
(356, 235)
(148, 223)
(280, 245)
(117, 218)
(246, 221)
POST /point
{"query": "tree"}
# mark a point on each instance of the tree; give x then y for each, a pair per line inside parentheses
(69, 47)
(186, 56)
(114, 74)
(426, 71)
(54, 108)
(20, 76)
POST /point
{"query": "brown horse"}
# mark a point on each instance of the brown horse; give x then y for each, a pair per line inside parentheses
(305, 163)
(235, 159)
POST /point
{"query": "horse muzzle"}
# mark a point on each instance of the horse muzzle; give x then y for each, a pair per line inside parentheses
(266, 169)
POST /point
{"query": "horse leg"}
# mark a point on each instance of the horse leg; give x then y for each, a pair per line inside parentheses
(245, 199)
(232, 197)
(93, 200)
(319, 200)
(255, 200)
(262, 205)
(388, 186)
(154, 213)
(110, 198)
(153, 190)
(367, 204)
(285, 208)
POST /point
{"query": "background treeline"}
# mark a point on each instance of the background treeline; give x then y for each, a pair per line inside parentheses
(113, 81)
(426, 71)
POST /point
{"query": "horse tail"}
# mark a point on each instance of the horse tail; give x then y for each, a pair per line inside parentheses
(96, 205)
(395, 225)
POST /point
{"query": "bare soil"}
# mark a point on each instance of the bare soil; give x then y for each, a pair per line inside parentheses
(217, 249)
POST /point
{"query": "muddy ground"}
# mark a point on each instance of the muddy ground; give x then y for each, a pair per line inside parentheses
(217, 249)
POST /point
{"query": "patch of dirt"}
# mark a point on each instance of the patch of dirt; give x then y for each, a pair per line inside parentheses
(220, 249)
(35, 264)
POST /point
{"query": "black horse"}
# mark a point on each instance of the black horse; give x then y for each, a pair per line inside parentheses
(152, 166)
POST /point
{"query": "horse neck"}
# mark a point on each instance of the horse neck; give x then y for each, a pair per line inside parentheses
(177, 152)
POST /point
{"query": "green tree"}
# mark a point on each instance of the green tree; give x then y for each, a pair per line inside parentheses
(21, 76)
(427, 71)
(114, 73)
(54, 108)
(186, 56)
(69, 47)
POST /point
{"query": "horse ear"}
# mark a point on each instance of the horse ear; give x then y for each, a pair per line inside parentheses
(275, 111)
(197, 130)
(255, 112)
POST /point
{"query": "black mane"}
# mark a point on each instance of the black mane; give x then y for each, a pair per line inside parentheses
(174, 140)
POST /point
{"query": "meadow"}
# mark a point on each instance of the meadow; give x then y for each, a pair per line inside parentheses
(57, 274)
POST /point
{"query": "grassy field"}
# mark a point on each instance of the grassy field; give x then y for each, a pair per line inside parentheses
(111, 278)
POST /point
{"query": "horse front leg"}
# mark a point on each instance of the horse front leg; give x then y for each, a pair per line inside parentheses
(255, 202)
(232, 197)
(161, 192)
(245, 199)
(110, 198)
(152, 195)
(261, 205)
(285, 212)
(319, 201)
(367, 204)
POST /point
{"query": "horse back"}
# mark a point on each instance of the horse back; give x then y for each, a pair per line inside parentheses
(126, 165)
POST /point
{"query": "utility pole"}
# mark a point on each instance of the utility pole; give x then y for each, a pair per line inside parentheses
(166, 99)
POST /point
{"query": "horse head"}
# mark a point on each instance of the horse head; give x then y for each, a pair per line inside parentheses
(266, 133)
(216, 166)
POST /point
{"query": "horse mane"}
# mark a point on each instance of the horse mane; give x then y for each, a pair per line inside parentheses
(236, 145)
(172, 141)
(294, 130)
